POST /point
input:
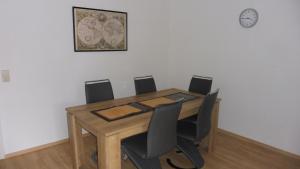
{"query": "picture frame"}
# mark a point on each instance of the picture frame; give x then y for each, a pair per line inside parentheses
(99, 30)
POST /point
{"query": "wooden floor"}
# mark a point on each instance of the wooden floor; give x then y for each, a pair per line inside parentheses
(230, 153)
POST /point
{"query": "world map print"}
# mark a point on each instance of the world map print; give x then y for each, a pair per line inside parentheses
(99, 30)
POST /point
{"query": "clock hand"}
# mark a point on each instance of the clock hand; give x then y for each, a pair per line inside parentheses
(247, 18)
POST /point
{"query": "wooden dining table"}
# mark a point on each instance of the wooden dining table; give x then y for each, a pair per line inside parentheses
(109, 134)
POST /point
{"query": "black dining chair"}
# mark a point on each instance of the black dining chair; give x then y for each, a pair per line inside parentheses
(144, 149)
(200, 84)
(98, 90)
(144, 84)
(191, 131)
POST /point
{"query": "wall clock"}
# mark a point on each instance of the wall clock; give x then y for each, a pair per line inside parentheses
(248, 18)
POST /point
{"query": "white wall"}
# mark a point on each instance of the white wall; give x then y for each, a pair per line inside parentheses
(47, 76)
(257, 69)
(1, 143)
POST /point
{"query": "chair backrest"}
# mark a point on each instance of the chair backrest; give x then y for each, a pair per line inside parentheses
(162, 134)
(204, 115)
(200, 84)
(144, 84)
(98, 90)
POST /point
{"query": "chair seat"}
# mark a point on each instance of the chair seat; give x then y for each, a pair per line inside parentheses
(136, 144)
(191, 119)
(186, 130)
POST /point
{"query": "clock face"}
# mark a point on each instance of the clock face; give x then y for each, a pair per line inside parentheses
(248, 18)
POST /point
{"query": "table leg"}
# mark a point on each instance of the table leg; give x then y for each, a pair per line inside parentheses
(109, 152)
(76, 141)
(214, 128)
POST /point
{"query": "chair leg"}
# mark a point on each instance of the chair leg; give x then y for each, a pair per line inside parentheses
(191, 151)
(142, 163)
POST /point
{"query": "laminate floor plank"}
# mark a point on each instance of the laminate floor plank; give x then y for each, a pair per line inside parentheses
(230, 153)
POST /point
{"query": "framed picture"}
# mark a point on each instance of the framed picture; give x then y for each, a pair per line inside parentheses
(99, 30)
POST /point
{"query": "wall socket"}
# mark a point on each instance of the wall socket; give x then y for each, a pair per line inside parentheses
(5, 75)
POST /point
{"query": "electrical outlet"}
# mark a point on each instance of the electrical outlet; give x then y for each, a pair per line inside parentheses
(5, 75)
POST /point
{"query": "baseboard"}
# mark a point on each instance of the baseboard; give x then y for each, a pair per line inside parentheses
(38, 148)
(257, 143)
(30, 150)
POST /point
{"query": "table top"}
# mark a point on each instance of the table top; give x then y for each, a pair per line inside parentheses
(130, 125)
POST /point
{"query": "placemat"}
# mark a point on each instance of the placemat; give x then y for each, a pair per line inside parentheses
(153, 103)
(123, 111)
(118, 112)
(186, 97)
